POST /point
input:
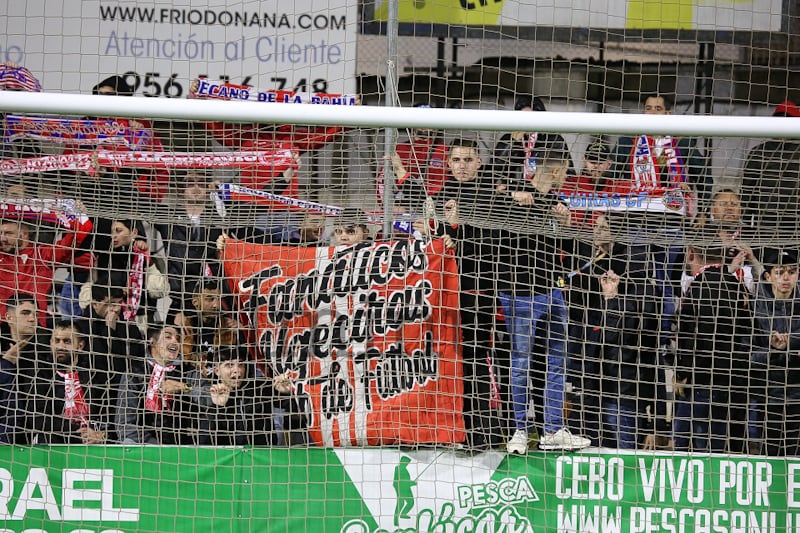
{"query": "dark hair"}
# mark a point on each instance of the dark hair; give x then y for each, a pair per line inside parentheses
(712, 253)
(182, 174)
(351, 216)
(102, 290)
(19, 298)
(205, 284)
(68, 324)
(464, 143)
(668, 103)
(535, 103)
(154, 330)
(132, 225)
(554, 155)
(229, 352)
(118, 83)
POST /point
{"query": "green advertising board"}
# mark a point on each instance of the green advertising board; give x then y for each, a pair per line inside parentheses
(125, 489)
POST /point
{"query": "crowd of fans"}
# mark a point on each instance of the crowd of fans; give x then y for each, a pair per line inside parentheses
(581, 324)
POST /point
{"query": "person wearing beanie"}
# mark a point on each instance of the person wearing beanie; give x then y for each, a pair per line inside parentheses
(787, 108)
(593, 181)
(775, 394)
(113, 86)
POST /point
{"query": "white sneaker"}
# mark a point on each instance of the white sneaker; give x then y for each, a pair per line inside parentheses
(518, 443)
(563, 440)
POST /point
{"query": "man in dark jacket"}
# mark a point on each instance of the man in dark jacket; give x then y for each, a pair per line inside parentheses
(24, 352)
(189, 241)
(64, 404)
(114, 345)
(153, 405)
(516, 154)
(771, 183)
(464, 202)
(239, 404)
(714, 339)
(534, 263)
(614, 310)
(775, 359)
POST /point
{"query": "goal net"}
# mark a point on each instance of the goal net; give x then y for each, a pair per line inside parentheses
(415, 266)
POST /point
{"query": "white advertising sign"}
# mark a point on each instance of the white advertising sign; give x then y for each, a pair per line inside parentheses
(162, 45)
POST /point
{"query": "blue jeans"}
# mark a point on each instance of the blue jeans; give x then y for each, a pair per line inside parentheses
(620, 426)
(523, 314)
(701, 419)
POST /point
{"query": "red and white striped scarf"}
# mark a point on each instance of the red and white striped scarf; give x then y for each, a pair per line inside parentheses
(155, 400)
(646, 173)
(75, 406)
(530, 159)
(645, 170)
(90, 161)
(135, 284)
(495, 400)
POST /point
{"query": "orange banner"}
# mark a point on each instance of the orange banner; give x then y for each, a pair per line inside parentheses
(370, 334)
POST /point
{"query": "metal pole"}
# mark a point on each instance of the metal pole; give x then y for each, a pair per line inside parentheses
(381, 117)
(390, 133)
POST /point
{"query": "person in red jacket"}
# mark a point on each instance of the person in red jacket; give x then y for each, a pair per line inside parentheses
(419, 164)
(28, 267)
(593, 183)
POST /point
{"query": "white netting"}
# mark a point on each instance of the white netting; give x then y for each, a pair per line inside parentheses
(485, 227)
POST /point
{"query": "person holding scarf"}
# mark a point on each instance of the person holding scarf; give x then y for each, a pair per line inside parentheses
(725, 218)
(154, 405)
(14, 77)
(661, 165)
(648, 162)
(64, 403)
(516, 154)
(129, 265)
